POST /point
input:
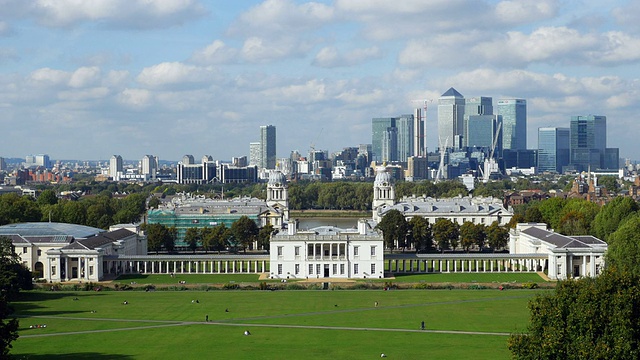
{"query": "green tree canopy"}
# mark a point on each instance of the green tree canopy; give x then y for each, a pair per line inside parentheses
(611, 215)
(420, 233)
(446, 234)
(13, 278)
(624, 247)
(497, 236)
(245, 231)
(394, 228)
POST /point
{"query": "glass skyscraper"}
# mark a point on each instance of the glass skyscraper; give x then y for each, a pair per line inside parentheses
(481, 131)
(514, 123)
(553, 149)
(479, 105)
(450, 117)
(268, 147)
(381, 129)
(588, 142)
(405, 137)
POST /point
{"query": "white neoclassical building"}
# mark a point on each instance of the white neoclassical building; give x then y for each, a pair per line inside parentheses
(477, 210)
(327, 252)
(66, 252)
(567, 256)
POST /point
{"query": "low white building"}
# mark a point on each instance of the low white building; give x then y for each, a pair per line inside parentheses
(327, 252)
(568, 256)
(66, 252)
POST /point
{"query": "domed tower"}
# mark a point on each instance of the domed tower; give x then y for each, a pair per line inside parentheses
(277, 193)
(383, 191)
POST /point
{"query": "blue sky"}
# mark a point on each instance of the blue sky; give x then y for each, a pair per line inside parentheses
(88, 79)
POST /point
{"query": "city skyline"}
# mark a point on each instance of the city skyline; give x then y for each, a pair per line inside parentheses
(85, 81)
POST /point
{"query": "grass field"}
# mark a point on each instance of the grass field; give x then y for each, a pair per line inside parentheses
(315, 324)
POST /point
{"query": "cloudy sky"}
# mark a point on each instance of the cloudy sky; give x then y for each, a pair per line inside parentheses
(88, 79)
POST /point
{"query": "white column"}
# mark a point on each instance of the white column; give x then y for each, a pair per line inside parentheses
(584, 265)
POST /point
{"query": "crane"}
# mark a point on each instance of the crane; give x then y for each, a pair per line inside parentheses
(490, 164)
(443, 149)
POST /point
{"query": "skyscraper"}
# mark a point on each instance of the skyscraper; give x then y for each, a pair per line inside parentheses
(514, 123)
(383, 141)
(115, 167)
(267, 147)
(254, 154)
(450, 117)
(588, 141)
(149, 166)
(482, 131)
(405, 137)
(479, 105)
(419, 136)
(553, 149)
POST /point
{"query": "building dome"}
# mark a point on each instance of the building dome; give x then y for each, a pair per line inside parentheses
(383, 178)
(277, 178)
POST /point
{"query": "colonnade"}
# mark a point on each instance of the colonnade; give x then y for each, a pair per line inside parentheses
(452, 264)
(182, 265)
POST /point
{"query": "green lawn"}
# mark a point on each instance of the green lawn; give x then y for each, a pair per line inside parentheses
(165, 279)
(337, 324)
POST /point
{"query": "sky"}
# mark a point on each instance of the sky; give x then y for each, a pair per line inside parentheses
(89, 79)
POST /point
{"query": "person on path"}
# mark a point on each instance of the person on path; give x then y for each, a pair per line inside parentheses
(422, 325)
(206, 318)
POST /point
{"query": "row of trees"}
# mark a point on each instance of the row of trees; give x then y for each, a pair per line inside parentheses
(98, 211)
(242, 234)
(444, 234)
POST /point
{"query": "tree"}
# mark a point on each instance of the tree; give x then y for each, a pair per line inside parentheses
(421, 235)
(472, 234)
(533, 215)
(264, 236)
(590, 318)
(47, 197)
(245, 231)
(394, 228)
(610, 183)
(624, 247)
(497, 236)
(13, 277)
(611, 215)
(220, 236)
(191, 237)
(154, 202)
(445, 234)
(159, 236)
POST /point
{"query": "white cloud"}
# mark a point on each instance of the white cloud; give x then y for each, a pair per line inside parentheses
(137, 98)
(329, 57)
(174, 73)
(628, 15)
(282, 17)
(256, 49)
(524, 11)
(215, 53)
(49, 77)
(137, 14)
(84, 76)
(309, 92)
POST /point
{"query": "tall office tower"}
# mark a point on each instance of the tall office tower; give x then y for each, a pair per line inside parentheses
(405, 137)
(390, 145)
(43, 160)
(267, 147)
(149, 166)
(482, 131)
(254, 154)
(419, 135)
(382, 131)
(588, 142)
(553, 149)
(479, 105)
(450, 117)
(3, 164)
(514, 123)
(115, 167)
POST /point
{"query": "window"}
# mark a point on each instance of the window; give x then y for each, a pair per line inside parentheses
(373, 251)
(355, 250)
(297, 250)
(39, 252)
(335, 268)
(24, 250)
(53, 270)
(355, 269)
(90, 270)
(318, 270)
(373, 269)
(279, 250)
(341, 269)
(279, 269)
(310, 269)
(297, 269)
(559, 269)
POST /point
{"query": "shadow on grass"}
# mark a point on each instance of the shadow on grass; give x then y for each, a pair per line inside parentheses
(87, 356)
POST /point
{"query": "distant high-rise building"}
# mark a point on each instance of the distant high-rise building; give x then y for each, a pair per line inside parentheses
(553, 149)
(188, 160)
(405, 137)
(479, 105)
(3, 164)
(267, 147)
(383, 141)
(514, 123)
(419, 136)
(450, 117)
(149, 166)
(115, 167)
(588, 142)
(482, 131)
(254, 154)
